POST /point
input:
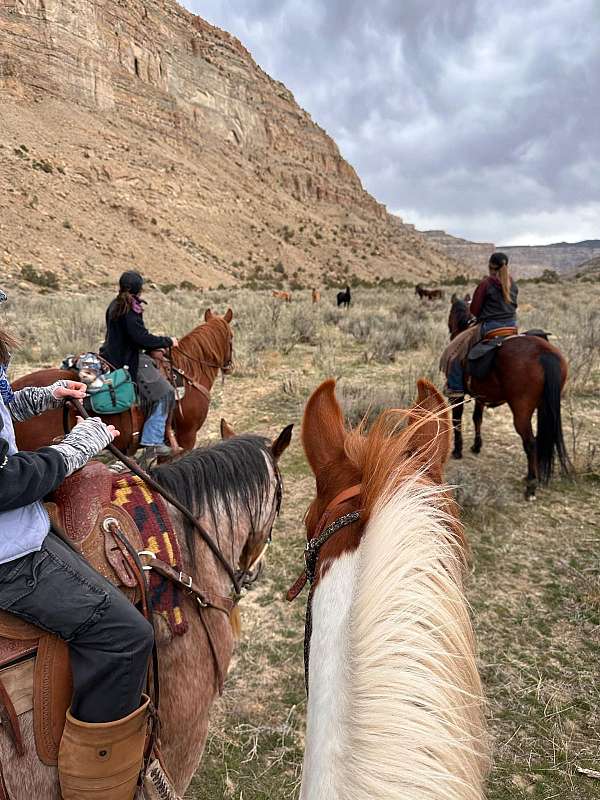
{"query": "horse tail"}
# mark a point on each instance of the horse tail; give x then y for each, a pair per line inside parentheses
(413, 722)
(550, 442)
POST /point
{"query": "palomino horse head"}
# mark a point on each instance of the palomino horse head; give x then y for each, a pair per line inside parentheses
(224, 358)
(459, 317)
(395, 701)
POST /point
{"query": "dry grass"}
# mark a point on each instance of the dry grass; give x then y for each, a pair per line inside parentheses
(535, 586)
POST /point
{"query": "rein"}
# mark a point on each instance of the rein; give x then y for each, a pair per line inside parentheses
(323, 533)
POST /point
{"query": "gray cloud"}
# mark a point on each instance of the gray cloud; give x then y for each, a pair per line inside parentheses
(478, 116)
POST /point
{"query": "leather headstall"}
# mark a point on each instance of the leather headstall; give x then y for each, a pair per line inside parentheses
(324, 532)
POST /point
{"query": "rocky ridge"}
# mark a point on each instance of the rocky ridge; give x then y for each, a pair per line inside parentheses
(526, 261)
(133, 133)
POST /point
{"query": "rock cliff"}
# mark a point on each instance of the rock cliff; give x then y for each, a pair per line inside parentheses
(134, 133)
(526, 261)
(474, 256)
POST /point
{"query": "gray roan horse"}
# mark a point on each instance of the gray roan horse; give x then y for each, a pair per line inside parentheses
(234, 488)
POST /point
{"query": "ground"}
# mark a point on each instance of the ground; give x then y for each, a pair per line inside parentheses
(534, 586)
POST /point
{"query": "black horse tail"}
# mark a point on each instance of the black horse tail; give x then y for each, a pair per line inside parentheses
(550, 442)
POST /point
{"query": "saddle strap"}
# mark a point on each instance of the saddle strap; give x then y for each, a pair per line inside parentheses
(12, 719)
(186, 582)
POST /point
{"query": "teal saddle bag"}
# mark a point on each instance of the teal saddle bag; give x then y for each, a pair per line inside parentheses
(118, 393)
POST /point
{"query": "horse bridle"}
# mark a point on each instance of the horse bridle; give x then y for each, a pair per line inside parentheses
(323, 533)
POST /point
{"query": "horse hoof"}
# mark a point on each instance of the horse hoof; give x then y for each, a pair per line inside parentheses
(456, 455)
(475, 449)
(530, 497)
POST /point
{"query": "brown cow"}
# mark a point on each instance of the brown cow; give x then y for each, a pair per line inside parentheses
(285, 296)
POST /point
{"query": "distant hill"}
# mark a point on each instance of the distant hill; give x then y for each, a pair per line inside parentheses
(588, 269)
(563, 257)
(136, 134)
(526, 261)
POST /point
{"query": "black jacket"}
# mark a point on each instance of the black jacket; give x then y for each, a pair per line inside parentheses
(125, 337)
(27, 477)
(488, 302)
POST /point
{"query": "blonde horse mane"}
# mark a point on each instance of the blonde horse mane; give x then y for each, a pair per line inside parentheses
(413, 722)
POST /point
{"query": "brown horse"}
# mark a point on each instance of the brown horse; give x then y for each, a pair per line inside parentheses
(528, 373)
(234, 488)
(199, 356)
(285, 296)
(428, 294)
(395, 703)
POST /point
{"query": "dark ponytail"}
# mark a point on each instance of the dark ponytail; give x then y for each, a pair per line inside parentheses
(130, 285)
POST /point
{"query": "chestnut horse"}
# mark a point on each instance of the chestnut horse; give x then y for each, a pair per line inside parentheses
(285, 296)
(200, 355)
(528, 373)
(234, 489)
(395, 704)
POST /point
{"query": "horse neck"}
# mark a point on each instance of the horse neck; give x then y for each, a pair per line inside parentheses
(394, 700)
(203, 365)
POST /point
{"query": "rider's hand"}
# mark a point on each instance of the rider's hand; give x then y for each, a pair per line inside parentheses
(74, 389)
(174, 341)
(110, 428)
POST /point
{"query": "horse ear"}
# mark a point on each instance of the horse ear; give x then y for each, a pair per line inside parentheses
(227, 431)
(282, 442)
(323, 431)
(228, 316)
(432, 423)
(207, 314)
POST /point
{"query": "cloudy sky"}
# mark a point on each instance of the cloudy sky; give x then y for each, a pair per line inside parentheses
(481, 117)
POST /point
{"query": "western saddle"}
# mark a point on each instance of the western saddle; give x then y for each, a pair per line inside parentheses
(34, 665)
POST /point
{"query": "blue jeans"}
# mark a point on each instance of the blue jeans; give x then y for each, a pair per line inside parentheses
(154, 428)
(455, 377)
(491, 325)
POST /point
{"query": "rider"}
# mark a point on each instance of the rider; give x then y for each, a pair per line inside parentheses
(46, 582)
(494, 306)
(126, 336)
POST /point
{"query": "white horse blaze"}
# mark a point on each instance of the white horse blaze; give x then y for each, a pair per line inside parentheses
(327, 678)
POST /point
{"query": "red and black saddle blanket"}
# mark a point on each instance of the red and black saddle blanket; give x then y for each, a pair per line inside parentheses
(148, 511)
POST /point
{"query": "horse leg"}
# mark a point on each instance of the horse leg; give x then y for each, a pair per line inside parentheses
(525, 431)
(477, 420)
(457, 412)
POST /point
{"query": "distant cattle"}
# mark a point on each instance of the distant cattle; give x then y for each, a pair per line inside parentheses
(316, 296)
(285, 296)
(344, 298)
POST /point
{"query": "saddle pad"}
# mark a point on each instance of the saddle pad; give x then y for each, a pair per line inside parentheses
(149, 512)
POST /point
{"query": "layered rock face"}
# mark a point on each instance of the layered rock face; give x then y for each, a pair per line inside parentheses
(563, 257)
(133, 132)
(474, 256)
(526, 261)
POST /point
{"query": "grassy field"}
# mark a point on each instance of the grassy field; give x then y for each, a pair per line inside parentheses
(535, 582)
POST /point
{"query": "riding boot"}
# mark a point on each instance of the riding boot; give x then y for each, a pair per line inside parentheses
(102, 760)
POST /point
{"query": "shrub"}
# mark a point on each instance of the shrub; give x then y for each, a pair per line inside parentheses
(45, 278)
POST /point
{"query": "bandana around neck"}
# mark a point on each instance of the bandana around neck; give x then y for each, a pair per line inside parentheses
(6, 392)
